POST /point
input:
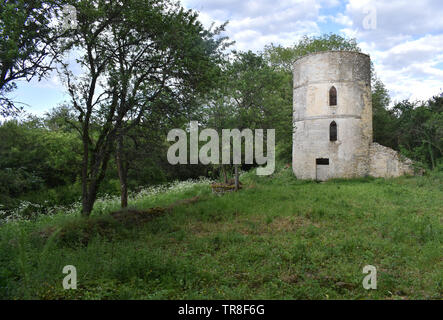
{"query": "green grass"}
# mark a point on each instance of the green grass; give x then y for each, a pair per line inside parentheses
(277, 238)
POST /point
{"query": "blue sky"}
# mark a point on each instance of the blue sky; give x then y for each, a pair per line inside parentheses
(405, 44)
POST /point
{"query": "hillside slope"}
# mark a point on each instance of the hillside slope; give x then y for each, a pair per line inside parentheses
(277, 238)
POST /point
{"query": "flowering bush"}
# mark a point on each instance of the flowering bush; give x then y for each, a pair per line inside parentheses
(105, 203)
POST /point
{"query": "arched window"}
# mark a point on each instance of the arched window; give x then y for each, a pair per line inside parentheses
(333, 131)
(332, 96)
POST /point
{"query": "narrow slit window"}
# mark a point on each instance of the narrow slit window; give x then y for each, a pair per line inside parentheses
(333, 96)
(333, 131)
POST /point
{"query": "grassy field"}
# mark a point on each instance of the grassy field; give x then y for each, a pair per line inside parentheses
(277, 238)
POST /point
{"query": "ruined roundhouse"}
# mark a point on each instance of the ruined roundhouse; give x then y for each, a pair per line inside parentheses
(333, 120)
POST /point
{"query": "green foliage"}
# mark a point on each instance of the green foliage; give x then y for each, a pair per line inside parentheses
(27, 43)
(284, 57)
(18, 181)
(51, 155)
(33, 158)
(251, 94)
(150, 59)
(414, 128)
(384, 123)
(419, 131)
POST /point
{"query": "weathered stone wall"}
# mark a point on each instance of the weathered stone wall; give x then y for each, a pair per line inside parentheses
(314, 75)
(386, 162)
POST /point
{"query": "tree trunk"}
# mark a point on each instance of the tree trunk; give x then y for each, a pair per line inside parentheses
(225, 175)
(236, 177)
(93, 174)
(122, 169)
(86, 206)
(86, 203)
(431, 154)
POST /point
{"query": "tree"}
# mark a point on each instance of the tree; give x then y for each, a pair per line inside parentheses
(134, 52)
(28, 45)
(257, 103)
(419, 132)
(284, 57)
(384, 120)
(135, 144)
(29, 149)
(248, 96)
(192, 69)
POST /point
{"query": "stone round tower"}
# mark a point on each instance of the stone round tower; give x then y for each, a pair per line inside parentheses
(332, 115)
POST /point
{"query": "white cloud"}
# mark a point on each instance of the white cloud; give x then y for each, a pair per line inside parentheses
(397, 17)
(253, 24)
(406, 45)
(342, 19)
